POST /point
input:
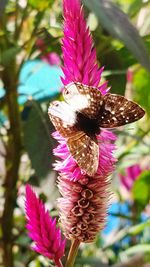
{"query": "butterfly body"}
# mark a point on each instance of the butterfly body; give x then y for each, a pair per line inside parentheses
(88, 125)
(82, 115)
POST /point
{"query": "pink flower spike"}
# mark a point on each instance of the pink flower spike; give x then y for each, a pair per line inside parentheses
(84, 202)
(131, 174)
(80, 63)
(42, 229)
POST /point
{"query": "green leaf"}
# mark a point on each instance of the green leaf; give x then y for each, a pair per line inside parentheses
(137, 229)
(118, 25)
(135, 7)
(37, 140)
(41, 5)
(113, 61)
(141, 83)
(8, 55)
(141, 189)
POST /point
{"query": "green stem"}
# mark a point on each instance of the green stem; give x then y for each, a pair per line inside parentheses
(13, 154)
(72, 253)
(19, 27)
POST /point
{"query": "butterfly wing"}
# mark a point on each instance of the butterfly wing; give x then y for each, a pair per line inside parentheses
(85, 151)
(117, 111)
(63, 118)
(83, 98)
(82, 147)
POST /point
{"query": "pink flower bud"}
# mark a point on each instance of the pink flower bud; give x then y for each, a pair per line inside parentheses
(42, 228)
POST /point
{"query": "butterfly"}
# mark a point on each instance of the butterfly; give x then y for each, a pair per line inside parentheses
(82, 115)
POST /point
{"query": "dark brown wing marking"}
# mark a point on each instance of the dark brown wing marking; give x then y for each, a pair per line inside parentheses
(117, 111)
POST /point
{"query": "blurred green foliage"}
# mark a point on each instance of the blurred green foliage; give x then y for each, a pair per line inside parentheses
(121, 34)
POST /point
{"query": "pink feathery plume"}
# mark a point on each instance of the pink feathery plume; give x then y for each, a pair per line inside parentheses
(79, 55)
(42, 229)
(84, 202)
(80, 65)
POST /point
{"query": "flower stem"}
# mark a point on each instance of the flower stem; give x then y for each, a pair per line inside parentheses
(58, 263)
(12, 160)
(72, 253)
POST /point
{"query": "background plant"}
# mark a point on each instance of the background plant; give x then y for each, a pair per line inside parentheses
(24, 157)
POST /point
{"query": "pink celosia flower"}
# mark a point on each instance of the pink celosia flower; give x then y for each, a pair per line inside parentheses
(79, 55)
(51, 58)
(84, 201)
(83, 206)
(42, 229)
(131, 174)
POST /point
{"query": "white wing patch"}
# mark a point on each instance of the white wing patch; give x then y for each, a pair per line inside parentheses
(83, 98)
(63, 111)
(74, 98)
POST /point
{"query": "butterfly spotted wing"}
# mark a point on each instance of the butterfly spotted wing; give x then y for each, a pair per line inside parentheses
(84, 99)
(117, 111)
(81, 99)
(109, 111)
(83, 149)
(63, 118)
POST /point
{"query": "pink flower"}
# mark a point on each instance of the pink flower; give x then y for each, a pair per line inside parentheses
(84, 201)
(129, 76)
(131, 174)
(83, 206)
(79, 55)
(51, 58)
(42, 228)
(80, 65)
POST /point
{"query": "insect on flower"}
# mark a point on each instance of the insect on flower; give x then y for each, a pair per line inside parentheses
(81, 116)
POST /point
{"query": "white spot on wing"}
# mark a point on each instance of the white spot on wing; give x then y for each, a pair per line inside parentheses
(108, 108)
(114, 118)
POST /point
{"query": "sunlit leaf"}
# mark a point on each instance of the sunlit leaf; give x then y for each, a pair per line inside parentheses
(141, 189)
(135, 6)
(142, 88)
(118, 25)
(137, 229)
(41, 5)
